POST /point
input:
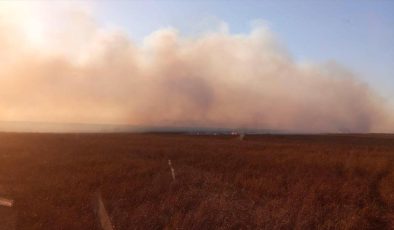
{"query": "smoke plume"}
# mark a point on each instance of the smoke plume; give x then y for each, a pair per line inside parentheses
(75, 70)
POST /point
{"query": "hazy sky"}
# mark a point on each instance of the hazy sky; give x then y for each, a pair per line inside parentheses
(302, 66)
(358, 34)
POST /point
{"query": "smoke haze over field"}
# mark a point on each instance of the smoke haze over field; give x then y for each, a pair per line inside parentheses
(71, 69)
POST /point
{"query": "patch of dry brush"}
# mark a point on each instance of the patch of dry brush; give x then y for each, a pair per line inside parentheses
(266, 182)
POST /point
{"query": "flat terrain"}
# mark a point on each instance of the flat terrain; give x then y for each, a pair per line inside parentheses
(264, 182)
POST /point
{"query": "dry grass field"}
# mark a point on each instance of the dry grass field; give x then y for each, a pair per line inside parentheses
(263, 182)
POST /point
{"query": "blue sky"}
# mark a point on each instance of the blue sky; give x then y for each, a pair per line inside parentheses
(357, 34)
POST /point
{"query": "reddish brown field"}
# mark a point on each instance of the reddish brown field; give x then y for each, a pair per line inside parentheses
(263, 182)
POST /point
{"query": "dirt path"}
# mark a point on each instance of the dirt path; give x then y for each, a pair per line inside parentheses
(7, 211)
(102, 213)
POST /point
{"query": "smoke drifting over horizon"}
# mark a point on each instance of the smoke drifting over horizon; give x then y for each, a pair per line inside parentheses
(77, 71)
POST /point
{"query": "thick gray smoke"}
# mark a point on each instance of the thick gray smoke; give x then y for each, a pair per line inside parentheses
(81, 72)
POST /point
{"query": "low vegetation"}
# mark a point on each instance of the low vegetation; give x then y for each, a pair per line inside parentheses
(264, 182)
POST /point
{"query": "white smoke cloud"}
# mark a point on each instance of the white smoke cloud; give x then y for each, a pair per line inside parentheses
(74, 70)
